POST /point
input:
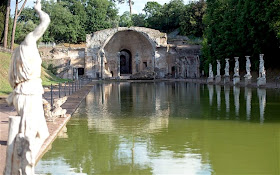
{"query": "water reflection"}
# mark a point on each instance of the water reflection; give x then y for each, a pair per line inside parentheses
(248, 98)
(262, 102)
(236, 92)
(168, 128)
(227, 91)
(211, 92)
(218, 91)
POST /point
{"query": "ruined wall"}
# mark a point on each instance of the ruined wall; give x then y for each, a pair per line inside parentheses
(64, 59)
(138, 40)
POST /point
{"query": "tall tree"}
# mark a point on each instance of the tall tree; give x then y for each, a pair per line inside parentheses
(191, 20)
(17, 13)
(239, 28)
(3, 5)
(130, 3)
(6, 30)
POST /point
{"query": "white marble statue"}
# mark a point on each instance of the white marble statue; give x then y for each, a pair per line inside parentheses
(236, 67)
(24, 78)
(211, 75)
(218, 68)
(248, 68)
(227, 67)
(261, 67)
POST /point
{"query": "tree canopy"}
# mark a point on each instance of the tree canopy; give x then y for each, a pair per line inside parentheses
(243, 27)
(71, 20)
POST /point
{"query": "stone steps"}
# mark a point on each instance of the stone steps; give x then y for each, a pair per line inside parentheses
(125, 77)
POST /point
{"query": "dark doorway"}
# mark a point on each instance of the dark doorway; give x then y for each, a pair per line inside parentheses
(125, 62)
(173, 71)
(81, 71)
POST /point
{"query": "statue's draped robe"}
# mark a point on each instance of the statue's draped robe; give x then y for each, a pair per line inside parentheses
(24, 78)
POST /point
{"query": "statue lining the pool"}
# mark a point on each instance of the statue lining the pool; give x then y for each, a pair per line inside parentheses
(28, 134)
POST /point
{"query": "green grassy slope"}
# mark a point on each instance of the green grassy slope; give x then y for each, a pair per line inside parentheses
(4, 69)
(47, 77)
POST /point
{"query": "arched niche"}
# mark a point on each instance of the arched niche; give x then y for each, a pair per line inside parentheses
(129, 43)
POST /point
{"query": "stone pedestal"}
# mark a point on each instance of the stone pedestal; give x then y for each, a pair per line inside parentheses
(247, 81)
(261, 82)
(226, 79)
(210, 80)
(236, 80)
(218, 79)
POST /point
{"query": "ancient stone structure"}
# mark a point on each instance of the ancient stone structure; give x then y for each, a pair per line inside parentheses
(211, 76)
(262, 77)
(236, 77)
(28, 130)
(226, 76)
(68, 62)
(218, 76)
(248, 75)
(57, 111)
(129, 51)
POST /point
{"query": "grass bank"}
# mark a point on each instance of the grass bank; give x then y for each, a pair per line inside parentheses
(47, 77)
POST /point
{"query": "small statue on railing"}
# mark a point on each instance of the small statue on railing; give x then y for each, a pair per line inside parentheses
(28, 131)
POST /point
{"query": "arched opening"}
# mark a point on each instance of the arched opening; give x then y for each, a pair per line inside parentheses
(125, 62)
(173, 71)
(81, 71)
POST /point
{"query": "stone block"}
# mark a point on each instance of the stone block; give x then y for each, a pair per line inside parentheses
(210, 80)
(247, 81)
(226, 79)
(261, 82)
(218, 79)
(236, 80)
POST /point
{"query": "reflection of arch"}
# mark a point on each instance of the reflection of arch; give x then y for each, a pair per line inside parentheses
(125, 62)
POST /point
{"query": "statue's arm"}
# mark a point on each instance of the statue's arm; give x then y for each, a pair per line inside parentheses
(44, 22)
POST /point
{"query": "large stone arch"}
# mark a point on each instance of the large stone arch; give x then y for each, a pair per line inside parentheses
(141, 42)
(140, 48)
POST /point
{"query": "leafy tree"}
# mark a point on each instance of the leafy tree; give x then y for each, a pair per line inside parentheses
(23, 28)
(139, 20)
(16, 15)
(102, 14)
(239, 28)
(171, 15)
(3, 6)
(125, 20)
(154, 15)
(71, 20)
(191, 20)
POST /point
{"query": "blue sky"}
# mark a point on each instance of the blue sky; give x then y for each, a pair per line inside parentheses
(137, 7)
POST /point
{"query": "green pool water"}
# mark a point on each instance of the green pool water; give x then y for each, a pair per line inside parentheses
(169, 128)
